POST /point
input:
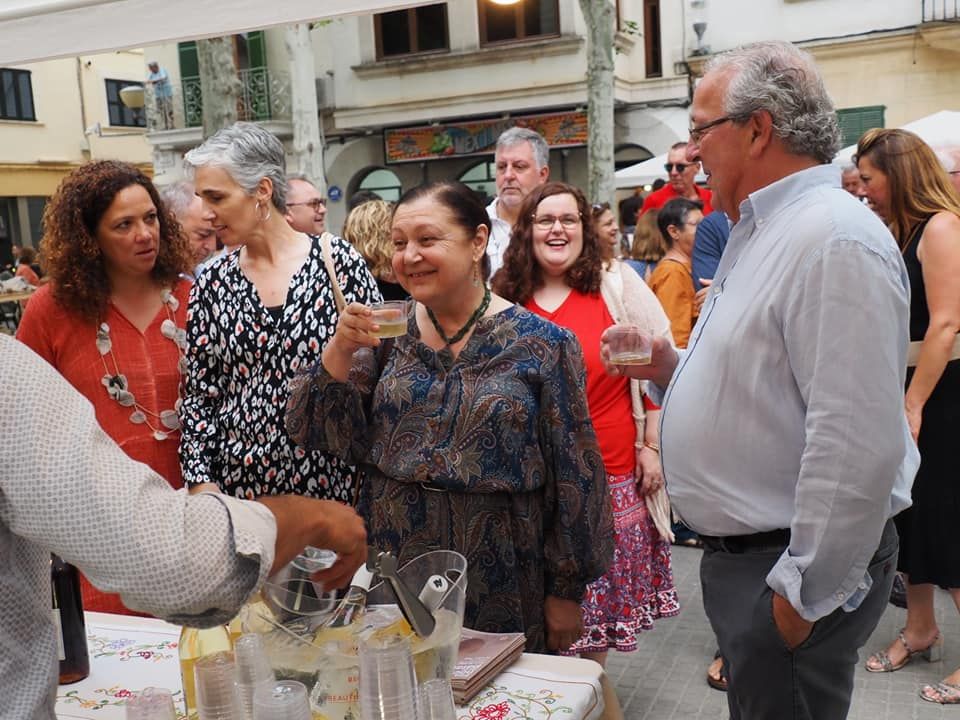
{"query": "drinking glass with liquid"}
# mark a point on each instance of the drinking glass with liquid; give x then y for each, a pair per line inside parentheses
(628, 345)
(391, 317)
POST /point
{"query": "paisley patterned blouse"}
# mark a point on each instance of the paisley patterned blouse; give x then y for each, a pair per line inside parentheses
(239, 361)
(491, 454)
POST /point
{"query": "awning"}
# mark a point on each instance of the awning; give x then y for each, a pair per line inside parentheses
(644, 173)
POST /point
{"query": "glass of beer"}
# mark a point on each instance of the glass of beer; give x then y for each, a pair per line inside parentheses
(391, 317)
(628, 345)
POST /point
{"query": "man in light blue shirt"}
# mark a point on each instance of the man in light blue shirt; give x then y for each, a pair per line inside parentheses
(783, 435)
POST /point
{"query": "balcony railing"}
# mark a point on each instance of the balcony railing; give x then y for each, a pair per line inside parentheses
(940, 10)
(264, 95)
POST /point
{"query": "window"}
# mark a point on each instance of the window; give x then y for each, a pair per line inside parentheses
(414, 30)
(531, 18)
(384, 183)
(16, 95)
(482, 177)
(653, 54)
(854, 122)
(120, 114)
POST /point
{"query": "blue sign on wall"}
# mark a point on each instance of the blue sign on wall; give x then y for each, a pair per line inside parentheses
(334, 193)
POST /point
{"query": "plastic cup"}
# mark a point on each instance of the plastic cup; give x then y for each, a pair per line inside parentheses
(253, 669)
(281, 700)
(292, 591)
(217, 697)
(436, 700)
(628, 345)
(391, 316)
(388, 685)
(151, 704)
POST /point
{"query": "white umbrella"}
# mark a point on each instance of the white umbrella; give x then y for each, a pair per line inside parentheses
(941, 128)
(644, 173)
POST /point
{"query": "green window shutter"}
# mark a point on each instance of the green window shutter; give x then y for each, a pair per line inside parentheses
(257, 47)
(190, 84)
(189, 63)
(854, 122)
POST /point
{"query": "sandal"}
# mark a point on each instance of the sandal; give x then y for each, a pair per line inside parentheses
(880, 662)
(943, 693)
(718, 682)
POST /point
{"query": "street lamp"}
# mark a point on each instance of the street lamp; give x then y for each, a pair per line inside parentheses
(699, 17)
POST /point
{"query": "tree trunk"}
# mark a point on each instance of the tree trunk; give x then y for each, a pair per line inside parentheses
(598, 15)
(307, 155)
(219, 83)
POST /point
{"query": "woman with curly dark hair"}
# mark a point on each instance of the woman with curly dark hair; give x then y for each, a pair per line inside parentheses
(111, 320)
(555, 265)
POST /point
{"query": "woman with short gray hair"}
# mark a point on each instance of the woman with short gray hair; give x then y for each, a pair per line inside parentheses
(255, 316)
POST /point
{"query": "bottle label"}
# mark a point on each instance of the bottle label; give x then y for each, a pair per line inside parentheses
(61, 651)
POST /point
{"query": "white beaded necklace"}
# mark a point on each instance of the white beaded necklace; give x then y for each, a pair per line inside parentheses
(166, 422)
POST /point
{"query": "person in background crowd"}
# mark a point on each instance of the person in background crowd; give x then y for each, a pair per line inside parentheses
(850, 180)
(359, 198)
(629, 209)
(683, 182)
(473, 428)
(190, 559)
(186, 206)
(159, 80)
(708, 244)
(111, 319)
(647, 248)
(255, 318)
(306, 207)
(522, 161)
(559, 267)
(909, 189)
(783, 438)
(367, 228)
(672, 281)
(606, 231)
(27, 267)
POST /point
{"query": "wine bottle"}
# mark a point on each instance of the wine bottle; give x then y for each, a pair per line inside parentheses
(354, 603)
(195, 644)
(68, 617)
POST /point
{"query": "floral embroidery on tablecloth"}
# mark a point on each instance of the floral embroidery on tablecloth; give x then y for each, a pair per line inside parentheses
(125, 649)
(518, 705)
(110, 697)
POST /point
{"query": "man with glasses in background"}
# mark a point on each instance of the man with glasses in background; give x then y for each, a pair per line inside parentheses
(306, 207)
(682, 174)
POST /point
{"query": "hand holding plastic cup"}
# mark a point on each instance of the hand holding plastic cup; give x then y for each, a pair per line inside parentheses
(391, 316)
(628, 345)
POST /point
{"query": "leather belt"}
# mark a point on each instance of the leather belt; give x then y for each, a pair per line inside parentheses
(754, 542)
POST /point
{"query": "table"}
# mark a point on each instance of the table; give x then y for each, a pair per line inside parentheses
(17, 310)
(130, 653)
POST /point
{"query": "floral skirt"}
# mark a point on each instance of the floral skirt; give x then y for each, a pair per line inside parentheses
(638, 587)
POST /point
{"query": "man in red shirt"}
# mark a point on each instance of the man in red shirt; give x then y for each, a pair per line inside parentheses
(682, 182)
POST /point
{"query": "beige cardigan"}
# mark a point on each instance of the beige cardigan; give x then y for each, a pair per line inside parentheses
(631, 302)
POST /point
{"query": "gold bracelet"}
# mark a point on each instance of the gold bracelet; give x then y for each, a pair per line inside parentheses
(653, 446)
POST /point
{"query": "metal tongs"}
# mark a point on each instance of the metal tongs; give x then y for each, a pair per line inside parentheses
(416, 613)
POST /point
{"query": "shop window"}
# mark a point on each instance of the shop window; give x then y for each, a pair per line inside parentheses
(414, 30)
(16, 95)
(384, 183)
(120, 114)
(528, 19)
(481, 178)
(854, 122)
(653, 52)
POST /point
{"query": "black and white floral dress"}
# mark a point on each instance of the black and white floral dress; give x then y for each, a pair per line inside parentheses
(238, 363)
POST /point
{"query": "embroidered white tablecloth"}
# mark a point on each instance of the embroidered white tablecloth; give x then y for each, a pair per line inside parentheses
(128, 654)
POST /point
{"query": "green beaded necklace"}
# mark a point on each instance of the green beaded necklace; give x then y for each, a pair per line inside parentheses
(477, 314)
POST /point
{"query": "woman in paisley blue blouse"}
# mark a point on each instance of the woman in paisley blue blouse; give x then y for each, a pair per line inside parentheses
(255, 316)
(472, 428)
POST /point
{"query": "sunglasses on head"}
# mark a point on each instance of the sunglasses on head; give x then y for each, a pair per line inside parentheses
(679, 166)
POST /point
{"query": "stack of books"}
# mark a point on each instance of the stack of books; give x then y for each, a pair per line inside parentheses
(482, 657)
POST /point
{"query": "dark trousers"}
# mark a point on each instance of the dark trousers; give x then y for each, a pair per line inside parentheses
(767, 681)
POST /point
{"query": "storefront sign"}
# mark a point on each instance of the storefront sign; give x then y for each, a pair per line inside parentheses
(435, 142)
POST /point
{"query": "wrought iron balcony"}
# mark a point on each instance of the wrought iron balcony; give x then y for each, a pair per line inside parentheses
(940, 10)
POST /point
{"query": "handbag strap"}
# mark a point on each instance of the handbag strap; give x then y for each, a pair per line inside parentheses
(338, 297)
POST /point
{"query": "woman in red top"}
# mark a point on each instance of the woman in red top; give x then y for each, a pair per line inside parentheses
(554, 267)
(111, 320)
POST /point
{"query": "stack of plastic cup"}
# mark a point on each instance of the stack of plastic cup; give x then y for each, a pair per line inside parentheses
(436, 700)
(216, 682)
(281, 700)
(151, 704)
(253, 669)
(388, 684)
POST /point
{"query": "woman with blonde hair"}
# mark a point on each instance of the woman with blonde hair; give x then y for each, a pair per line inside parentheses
(367, 228)
(909, 189)
(647, 248)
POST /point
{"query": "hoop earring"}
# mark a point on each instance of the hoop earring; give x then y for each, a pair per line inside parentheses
(263, 218)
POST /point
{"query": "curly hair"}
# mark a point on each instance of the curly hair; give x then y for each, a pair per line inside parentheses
(70, 251)
(521, 274)
(367, 228)
(916, 181)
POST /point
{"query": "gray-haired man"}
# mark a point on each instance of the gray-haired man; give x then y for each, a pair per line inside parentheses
(522, 160)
